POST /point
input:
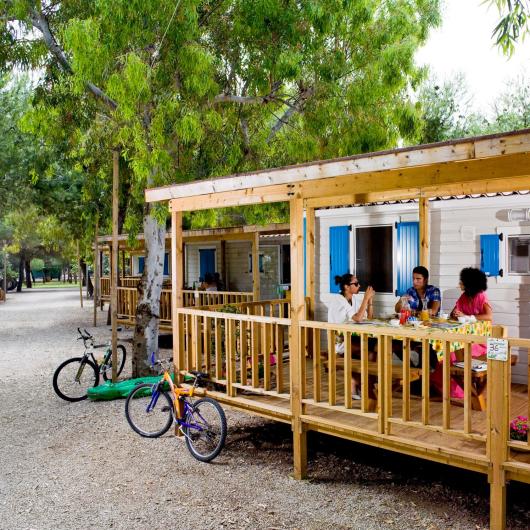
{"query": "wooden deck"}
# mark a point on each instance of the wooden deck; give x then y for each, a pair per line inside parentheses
(411, 437)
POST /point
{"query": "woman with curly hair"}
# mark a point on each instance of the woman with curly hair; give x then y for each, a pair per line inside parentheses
(473, 300)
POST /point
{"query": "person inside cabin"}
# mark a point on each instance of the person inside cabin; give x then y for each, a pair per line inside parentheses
(347, 306)
(472, 302)
(209, 283)
(421, 290)
(218, 281)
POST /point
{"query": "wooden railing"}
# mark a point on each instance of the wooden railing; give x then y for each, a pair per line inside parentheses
(214, 298)
(239, 351)
(104, 288)
(128, 300)
(392, 409)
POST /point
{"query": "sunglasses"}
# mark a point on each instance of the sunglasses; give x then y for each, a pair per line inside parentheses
(355, 283)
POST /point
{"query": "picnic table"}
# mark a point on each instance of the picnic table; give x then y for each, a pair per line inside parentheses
(478, 327)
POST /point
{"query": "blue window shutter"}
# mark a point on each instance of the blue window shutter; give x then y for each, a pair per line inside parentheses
(141, 263)
(408, 253)
(206, 261)
(489, 254)
(166, 264)
(339, 254)
(305, 264)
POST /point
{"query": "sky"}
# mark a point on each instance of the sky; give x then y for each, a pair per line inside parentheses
(463, 43)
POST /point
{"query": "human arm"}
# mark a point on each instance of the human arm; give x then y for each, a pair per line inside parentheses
(486, 314)
(435, 307)
(366, 305)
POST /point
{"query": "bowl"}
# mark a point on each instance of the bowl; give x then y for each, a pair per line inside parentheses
(394, 322)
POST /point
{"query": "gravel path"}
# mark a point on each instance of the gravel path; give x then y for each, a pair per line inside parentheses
(79, 465)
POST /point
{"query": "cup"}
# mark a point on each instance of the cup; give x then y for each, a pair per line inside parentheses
(394, 322)
(444, 316)
(462, 320)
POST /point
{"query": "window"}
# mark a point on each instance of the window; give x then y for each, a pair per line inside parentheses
(260, 262)
(286, 264)
(518, 261)
(374, 257)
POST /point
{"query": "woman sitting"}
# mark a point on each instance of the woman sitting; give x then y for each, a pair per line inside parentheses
(472, 302)
(209, 283)
(349, 305)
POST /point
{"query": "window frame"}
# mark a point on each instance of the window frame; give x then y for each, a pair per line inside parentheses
(504, 255)
(374, 220)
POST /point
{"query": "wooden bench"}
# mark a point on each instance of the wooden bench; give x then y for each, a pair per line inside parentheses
(479, 382)
(373, 370)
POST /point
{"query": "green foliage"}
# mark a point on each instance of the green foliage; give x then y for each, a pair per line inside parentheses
(204, 89)
(514, 24)
(447, 114)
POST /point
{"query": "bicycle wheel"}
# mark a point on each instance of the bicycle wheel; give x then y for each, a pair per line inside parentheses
(106, 370)
(74, 377)
(205, 429)
(149, 414)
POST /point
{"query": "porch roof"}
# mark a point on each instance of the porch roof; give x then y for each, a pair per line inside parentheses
(483, 164)
(241, 233)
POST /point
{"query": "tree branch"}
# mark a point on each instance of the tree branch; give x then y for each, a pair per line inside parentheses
(285, 117)
(40, 22)
(249, 100)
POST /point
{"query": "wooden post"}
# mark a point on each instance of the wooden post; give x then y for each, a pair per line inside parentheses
(297, 356)
(255, 266)
(177, 284)
(424, 231)
(122, 264)
(497, 442)
(5, 272)
(224, 267)
(310, 261)
(114, 262)
(80, 277)
(96, 272)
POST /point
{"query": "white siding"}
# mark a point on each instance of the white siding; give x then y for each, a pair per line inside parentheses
(455, 229)
(193, 263)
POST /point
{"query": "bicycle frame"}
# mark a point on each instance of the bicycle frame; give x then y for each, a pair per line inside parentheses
(181, 407)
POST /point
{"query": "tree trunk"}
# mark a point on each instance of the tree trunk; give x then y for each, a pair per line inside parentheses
(90, 286)
(20, 274)
(82, 271)
(145, 340)
(27, 266)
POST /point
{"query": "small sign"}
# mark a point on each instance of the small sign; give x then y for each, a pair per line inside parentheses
(498, 349)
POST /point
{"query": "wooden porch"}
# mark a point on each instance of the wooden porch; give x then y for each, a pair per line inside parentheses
(127, 292)
(270, 365)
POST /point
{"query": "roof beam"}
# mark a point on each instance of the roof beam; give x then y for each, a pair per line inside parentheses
(398, 159)
(500, 173)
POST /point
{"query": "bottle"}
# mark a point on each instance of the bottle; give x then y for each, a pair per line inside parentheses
(425, 316)
(404, 313)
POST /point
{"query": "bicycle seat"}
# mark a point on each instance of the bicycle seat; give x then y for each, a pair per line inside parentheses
(199, 375)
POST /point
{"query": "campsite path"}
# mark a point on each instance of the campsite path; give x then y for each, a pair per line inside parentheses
(74, 466)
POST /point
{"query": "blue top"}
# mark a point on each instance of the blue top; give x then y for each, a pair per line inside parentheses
(432, 294)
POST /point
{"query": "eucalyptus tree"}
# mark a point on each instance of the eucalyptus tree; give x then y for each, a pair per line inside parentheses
(514, 24)
(190, 89)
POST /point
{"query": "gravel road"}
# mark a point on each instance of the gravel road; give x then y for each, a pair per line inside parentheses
(79, 465)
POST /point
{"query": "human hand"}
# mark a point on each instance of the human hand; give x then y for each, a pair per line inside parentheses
(457, 313)
(369, 293)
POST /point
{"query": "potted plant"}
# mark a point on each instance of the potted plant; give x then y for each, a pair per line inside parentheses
(519, 428)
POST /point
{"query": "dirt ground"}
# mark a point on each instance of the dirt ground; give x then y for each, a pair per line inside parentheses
(79, 465)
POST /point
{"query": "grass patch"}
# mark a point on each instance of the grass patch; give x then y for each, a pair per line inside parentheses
(53, 285)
